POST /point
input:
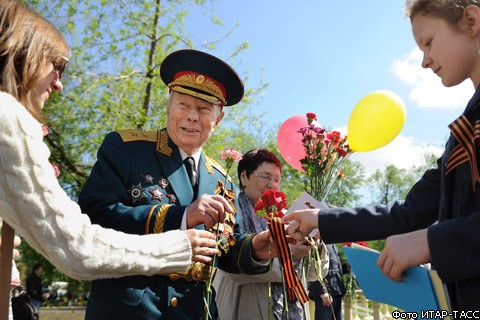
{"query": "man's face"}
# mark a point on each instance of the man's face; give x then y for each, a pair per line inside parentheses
(191, 121)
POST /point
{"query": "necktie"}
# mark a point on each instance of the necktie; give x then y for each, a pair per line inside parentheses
(190, 166)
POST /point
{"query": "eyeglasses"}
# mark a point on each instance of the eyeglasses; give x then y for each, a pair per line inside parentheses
(265, 178)
(59, 67)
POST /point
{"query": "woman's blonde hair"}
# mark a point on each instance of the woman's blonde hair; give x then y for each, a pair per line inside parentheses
(28, 43)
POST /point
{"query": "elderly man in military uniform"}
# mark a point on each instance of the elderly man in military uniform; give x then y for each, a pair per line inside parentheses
(142, 183)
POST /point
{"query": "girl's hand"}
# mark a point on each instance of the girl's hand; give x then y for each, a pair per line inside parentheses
(203, 245)
(302, 223)
(403, 251)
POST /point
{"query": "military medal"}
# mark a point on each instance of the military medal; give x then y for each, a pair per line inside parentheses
(137, 192)
(163, 183)
(148, 178)
(172, 198)
(156, 194)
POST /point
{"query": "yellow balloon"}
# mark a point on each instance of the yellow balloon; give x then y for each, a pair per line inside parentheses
(375, 121)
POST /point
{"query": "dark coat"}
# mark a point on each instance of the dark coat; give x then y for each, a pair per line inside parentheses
(34, 286)
(139, 185)
(449, 199)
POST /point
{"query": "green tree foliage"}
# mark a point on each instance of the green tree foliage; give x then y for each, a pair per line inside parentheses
(113, 81)
(429, 160)
(391, 184)
(394, 183)
(347, 190)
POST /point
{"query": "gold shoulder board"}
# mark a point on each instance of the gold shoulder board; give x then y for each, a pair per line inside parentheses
(218, 166)
(131, 135)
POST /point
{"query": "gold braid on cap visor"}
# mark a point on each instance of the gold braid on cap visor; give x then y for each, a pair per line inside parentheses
(214, 91)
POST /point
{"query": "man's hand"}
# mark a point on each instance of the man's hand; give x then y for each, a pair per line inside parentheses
(203, 245)
(402, 252)
(207, 209)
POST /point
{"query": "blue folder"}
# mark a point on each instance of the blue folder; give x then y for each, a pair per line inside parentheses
(414, 294)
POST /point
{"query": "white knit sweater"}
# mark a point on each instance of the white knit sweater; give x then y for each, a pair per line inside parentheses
(34, 204)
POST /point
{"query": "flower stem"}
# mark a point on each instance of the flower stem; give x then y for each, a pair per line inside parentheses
(208, 284)
(333, 179)
(317, 262)
(269, 280)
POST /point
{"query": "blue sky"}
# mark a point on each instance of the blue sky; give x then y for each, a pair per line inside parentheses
(324, 56)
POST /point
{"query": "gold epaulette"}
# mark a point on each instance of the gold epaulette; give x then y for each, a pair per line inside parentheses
(218, 166)
(130, 135)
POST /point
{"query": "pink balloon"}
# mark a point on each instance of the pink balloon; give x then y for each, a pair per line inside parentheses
(290, 141)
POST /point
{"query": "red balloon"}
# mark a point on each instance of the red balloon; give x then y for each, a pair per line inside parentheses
(290, 141)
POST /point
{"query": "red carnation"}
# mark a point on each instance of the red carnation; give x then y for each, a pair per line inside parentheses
(259, 206)
(274, 198)
(362, 243)
(311, 117)
(341, 152)
(349, 244)
(271, 204)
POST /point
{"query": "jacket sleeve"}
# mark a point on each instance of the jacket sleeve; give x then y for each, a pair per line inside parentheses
(239, 258)
(380, 221)
(33, 203)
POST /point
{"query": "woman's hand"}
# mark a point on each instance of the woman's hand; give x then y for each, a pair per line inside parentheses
(203, 245)
(300, 250)
(263, 246)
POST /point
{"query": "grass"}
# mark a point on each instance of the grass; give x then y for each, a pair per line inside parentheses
(62, 314)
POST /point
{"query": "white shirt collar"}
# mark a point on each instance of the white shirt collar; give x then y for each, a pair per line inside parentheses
(195, 156)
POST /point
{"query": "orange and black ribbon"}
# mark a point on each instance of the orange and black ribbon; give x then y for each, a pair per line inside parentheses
(468, 138)
(295, 289)
(228, 194)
